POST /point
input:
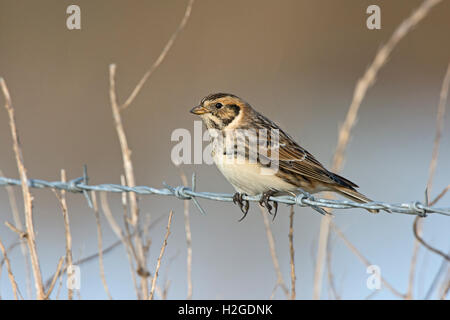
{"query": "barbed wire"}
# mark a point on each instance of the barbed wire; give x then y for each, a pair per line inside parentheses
(304, 199)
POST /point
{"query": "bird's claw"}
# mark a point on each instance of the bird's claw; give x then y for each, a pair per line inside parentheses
(264, 202)
(242, 203)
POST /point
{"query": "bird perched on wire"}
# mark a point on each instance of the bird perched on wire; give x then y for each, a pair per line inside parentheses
(257, 157)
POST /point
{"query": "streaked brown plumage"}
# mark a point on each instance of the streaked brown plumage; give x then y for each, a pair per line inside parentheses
(297, 168)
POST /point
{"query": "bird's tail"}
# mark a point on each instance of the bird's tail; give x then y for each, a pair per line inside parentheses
(354, 195)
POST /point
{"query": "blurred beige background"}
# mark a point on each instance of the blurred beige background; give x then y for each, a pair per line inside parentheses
(295, 61)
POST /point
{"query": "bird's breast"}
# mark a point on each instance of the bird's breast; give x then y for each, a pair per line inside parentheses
(250, 177)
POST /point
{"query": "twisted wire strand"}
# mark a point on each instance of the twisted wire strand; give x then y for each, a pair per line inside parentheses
(304, 199)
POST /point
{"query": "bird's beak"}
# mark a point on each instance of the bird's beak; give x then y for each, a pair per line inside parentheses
(198, 110)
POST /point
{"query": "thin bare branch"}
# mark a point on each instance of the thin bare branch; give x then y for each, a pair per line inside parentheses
(369, 77)
(417, 226)
(321, 255)
(68, 235)
(27, 198)
(273, 253)
(132, 252)
(331, 283)
(100, 244)
(20, 233)
(8, 250)
(442, 269)
(96, 255)
(439, 127)
(23, 246)
(364, 83)
(440, 195)
(129, 175)
(292, 252)
(161, 57)
(161, 253)
(412, 267)
(363, 259)
(55, 277)
(445, 289)
(187, 228)
(10, 273)
(425, 244)
(126, 152)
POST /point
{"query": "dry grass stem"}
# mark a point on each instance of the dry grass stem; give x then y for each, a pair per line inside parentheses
(104, 251)
(20, 233)
(273, 254)
(129, 175)
(369, 77)
(55, 278)
(439, 127)
(100, 244)
(111, 220)
(417, 226)
(23, 246)
(10, 273)
(440, 195)
(126, 152)
(68, 235)
(27, 198)
(131, 251)
(364, 83)
(161, 57)
(8, 250)
(445, 286)
(321, 254)
(412, 269)
(363, 259)
(418, 237)
(442, 269)
(161, 253)
(187, 228)
(331, 283)
(292, 252)
(139, 249)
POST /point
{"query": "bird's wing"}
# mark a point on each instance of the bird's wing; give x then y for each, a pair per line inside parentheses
(295, 159)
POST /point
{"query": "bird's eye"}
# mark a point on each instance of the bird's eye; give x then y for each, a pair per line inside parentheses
(218, 105)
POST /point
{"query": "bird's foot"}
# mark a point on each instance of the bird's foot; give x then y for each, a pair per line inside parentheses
(242, 203)
(265, 203)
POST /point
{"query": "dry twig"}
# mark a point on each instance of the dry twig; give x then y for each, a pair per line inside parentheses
(363, 259)
(27, 198)
(161, 57)
(292, 252)
(417, 225)
(129, 175)
(361, 88)
(10, 273)
(425, 244)
(62, 201)
(23, 247)
(55, 277)
(440, 195)
(187, 228)
(161, 253)
(100, 244)
(273, 254)
(132, 252)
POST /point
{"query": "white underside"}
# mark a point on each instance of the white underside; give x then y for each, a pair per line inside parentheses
(251, 178)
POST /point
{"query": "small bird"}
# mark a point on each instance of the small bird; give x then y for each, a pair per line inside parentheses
(296, 168)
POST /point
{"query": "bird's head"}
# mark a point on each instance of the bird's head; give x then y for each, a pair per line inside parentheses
(221, 110)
